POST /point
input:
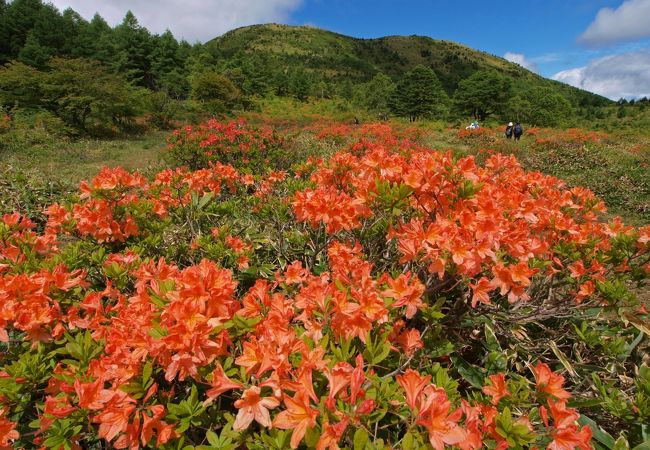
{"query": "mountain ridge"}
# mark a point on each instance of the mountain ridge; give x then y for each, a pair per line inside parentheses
(337, 56)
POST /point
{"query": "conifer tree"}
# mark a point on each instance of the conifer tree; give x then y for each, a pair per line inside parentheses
(5, 49)
(19, 20)
(33, 53)
(95, 40)
(133, 45)
(50, 29)
(164, 61)
(72, 24)
(419, 94)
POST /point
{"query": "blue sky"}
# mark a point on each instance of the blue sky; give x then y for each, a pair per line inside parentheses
(600, 45)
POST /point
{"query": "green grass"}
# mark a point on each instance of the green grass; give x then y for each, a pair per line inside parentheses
(36, 174)
(289, 111)
(70, 161)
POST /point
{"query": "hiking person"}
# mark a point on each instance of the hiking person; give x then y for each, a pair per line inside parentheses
(509, 130)
(517, 131)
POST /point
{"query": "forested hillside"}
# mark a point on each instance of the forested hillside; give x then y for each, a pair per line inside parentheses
(151, 73)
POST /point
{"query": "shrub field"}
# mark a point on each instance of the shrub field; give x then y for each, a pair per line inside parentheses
(333, 287)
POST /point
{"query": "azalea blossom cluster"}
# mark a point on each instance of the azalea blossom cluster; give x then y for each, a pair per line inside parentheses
(233, 142)
(572, 136)
(107, 340)
(496, 226)
(181, 321)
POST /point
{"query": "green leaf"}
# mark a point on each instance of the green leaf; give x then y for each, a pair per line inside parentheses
(491, 339)
(54, 441)
(204, 200)
(589, 403)
(408, 442)
(383, 353)
(621, 444)
(312, 436)
(360, 439)
(471, 374)
(598, 433)
(146, 373)
(212, 438)
(563, 359)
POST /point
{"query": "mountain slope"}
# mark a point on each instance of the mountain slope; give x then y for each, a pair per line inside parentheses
(337, 57)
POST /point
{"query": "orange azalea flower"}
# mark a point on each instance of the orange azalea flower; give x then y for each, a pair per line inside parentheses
(474, 427)
(481, 291)
(164, 430)
(338, 377)
(331, 435)
(521, 273)
(497, 388)
(407, 291)
(563, 417)
(277, 176)
(220, 383)
(413, 384)
(410, 341)
(356, 380)
(92, 395)
(247, 180)
(298, 416)
(236, 244)
(114, 419)
(57, 216)
(549, 382)
(8, 431)
(242, 262)
(335, 209)
(587, 289)
(570, 438)
(440, 422)
(577, 269)
(295, 273)
(253, 406)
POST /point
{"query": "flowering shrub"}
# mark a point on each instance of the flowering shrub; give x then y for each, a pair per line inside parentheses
(232, 142)
(484, 135)
(574, 137)
(388, 296)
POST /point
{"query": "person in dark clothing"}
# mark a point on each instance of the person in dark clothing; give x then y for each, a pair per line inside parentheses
(517, 131)
(509, 131)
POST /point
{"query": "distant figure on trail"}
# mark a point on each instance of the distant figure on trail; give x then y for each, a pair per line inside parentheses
(517, 131)
(509, 130)
(356, 120)
(473, 126)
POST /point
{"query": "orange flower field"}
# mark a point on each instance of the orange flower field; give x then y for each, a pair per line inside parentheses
(383, 295)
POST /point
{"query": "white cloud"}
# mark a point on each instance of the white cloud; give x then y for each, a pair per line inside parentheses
(626, 75)
(193, 20)
(520, 59)
(628, 22)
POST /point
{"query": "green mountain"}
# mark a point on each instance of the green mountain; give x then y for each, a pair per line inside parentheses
(335, 57)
